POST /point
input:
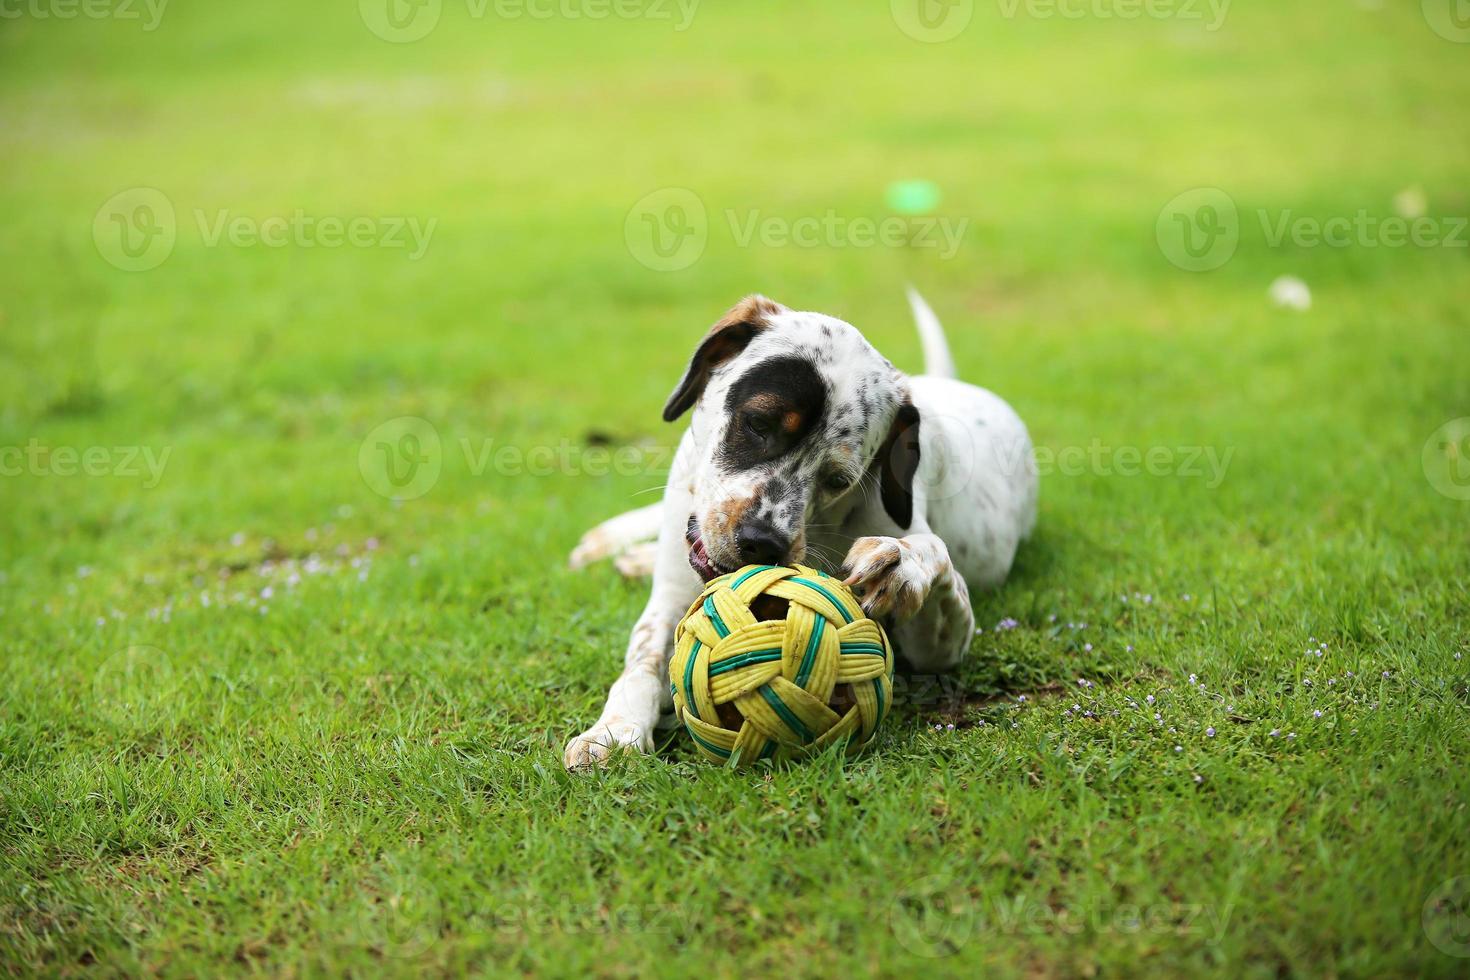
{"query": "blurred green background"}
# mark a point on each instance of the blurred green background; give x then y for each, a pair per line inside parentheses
(237, 798)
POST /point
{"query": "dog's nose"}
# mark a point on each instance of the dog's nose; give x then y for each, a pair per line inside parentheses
(761, 544)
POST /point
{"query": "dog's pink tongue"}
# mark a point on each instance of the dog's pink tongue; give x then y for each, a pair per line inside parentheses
(699, 561)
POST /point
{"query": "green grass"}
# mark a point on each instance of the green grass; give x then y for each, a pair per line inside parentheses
(366, 778)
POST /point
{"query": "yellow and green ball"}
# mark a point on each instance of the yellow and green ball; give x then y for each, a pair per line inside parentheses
(776, 662)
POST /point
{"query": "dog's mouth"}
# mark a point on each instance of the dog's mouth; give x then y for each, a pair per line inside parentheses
(699, 558)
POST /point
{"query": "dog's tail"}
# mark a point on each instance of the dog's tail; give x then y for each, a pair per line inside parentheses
(937, 360)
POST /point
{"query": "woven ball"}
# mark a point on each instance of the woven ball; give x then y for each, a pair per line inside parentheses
(776, 662)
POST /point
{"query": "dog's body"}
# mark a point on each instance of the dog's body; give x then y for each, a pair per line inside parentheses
(807, 445)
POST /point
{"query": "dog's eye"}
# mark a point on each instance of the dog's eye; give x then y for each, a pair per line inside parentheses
(837, 482)
(759, 426)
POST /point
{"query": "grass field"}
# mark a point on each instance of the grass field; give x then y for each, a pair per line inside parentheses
(258, 717)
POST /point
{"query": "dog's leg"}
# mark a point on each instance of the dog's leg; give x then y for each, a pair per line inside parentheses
(911, 581)
(642, 691)
(618, 534)
(637, 560)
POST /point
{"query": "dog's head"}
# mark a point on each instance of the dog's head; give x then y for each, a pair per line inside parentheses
(797, 421)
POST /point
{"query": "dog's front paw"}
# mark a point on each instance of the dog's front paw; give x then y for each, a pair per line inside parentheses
(597, 744)
(887, 577)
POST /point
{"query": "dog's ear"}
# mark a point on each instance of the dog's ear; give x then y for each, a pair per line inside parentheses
(725, 339)
(900, 461)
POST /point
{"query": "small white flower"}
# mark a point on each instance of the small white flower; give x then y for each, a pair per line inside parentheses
(1410, 203)
(1290, 293)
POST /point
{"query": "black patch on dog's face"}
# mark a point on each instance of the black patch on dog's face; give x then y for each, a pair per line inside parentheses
(772, 407)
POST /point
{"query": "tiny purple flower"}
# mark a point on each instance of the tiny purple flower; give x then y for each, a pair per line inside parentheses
(1210, 732)
(1317, 713)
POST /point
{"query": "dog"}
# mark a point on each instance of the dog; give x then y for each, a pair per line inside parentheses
(807, 445)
